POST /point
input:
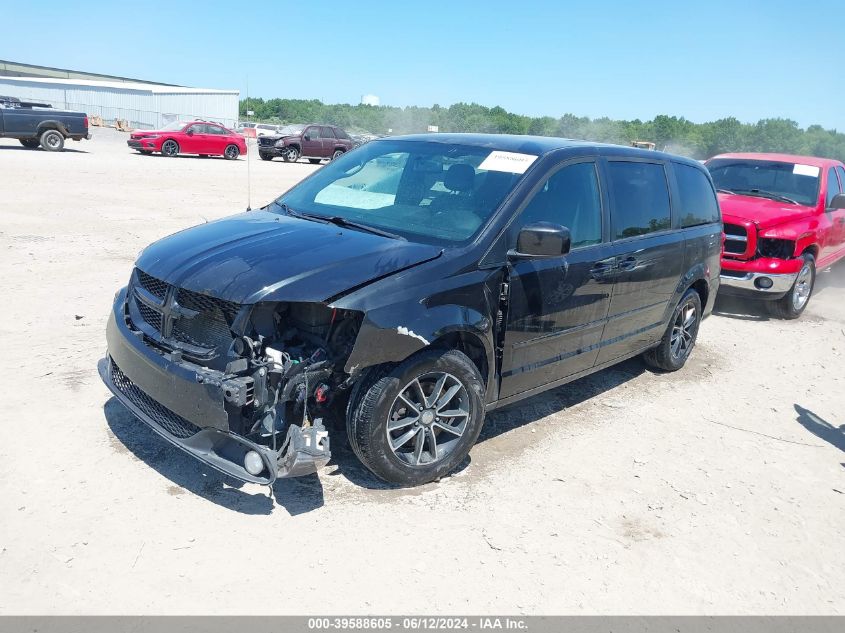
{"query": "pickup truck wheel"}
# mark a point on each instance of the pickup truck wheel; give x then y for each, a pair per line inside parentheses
(680, 336)
(29, 143)
(265, 156)
(291, 155)
(314, 161)
(169, 148)
(793, 303)
(415, 422)
(337, 153)
(52, 141)
(231, 152)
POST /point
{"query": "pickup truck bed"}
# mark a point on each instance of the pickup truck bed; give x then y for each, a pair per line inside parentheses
(35, 124)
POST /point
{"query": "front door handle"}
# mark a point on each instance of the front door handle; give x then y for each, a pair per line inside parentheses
(603, 267)
(628, 263)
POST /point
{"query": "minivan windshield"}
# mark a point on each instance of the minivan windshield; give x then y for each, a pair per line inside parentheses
(430, 192)
(785, 182)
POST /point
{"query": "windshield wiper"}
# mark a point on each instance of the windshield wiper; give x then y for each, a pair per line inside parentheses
(762, 193)
(339, 221)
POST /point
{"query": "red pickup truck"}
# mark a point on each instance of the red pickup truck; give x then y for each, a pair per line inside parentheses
(784, 218)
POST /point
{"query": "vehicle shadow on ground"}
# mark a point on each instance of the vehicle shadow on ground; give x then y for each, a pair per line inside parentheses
(297, 496)
(501, 420)
(66, 150)
(743, 310)
(821, 428)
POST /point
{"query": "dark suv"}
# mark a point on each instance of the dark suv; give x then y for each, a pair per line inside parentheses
(314, 142)
(411, 286)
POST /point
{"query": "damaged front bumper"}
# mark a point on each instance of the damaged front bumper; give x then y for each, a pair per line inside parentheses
(181, 404)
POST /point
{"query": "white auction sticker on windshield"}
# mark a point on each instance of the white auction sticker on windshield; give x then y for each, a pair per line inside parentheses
(510, 162)
(805, 170)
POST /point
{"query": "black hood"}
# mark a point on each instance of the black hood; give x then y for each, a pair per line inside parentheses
(262, 256)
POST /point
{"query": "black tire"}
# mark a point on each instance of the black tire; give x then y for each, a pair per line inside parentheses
(291, 154)
(265, 156)
(679, 339)
(794, 302)
(314, 161)
(337, 153)
(29, 143)
(52, 141)
(170, 148)
(374, 401)
(145, 152)
(231, 152)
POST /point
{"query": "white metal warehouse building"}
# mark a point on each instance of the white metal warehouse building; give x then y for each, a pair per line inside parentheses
(143, 105)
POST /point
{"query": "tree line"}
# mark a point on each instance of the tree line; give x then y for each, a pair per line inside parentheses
(669, 133)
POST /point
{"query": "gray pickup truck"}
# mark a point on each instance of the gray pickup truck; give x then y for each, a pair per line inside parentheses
(35, 124)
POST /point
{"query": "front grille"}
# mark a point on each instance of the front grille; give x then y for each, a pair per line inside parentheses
(265, 141)
(209, 329)
(155, 287)
(172, 423)
(736, 239)
(152, 317)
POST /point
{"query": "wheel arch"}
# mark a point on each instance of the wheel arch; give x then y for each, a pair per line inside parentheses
(52, 125)
(393, 337)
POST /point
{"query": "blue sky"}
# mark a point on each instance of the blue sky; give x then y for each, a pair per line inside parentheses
(702, 60)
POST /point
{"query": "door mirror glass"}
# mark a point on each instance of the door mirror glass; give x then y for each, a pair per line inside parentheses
(838, 202)
(541, 239)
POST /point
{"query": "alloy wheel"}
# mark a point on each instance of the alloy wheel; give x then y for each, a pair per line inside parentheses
(803, 287)
(169, 148)
(232, 152)
(428, 419)
(683, 331)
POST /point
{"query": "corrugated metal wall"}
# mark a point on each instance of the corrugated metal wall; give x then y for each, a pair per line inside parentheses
(142, 108)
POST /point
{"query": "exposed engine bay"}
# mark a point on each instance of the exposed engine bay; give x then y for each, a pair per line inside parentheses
(282, 376)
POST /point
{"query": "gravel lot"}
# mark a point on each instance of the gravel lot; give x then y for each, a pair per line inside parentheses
(718, 489)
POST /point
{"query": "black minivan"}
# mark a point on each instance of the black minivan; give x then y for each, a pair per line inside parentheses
(410, 286)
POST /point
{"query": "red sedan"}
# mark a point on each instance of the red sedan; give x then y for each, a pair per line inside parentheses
(194, 137)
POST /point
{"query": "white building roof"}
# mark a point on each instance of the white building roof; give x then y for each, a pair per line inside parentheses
(118, 85)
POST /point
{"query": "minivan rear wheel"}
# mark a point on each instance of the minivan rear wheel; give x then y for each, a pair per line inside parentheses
(415, 422)
(676, 345)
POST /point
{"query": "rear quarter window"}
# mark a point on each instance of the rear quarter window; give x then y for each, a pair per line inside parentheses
(640, 198)
(697, 202)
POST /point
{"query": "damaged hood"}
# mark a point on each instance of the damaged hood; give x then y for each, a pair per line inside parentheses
(764, 212)
(262, 256)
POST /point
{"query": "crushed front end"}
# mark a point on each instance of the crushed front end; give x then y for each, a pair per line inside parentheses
(243, 388)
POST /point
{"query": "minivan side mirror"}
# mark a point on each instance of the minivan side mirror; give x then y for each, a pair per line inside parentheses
(541, 239)
(838, 202)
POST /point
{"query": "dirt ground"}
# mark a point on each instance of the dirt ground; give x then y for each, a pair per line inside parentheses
(718, 489)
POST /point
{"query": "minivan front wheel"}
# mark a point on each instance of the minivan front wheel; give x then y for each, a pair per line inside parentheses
(416, 421)
(676, 345)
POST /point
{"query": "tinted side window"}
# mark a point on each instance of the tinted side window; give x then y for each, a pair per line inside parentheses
(832, 186)
(640, 198)
(326, 132)
(313, 133)
(199, 128)
(570, 197)
(698, 203)
(340, 133)
(216, 129)
(841, 171)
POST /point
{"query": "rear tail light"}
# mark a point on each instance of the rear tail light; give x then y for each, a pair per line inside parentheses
(85, 121)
